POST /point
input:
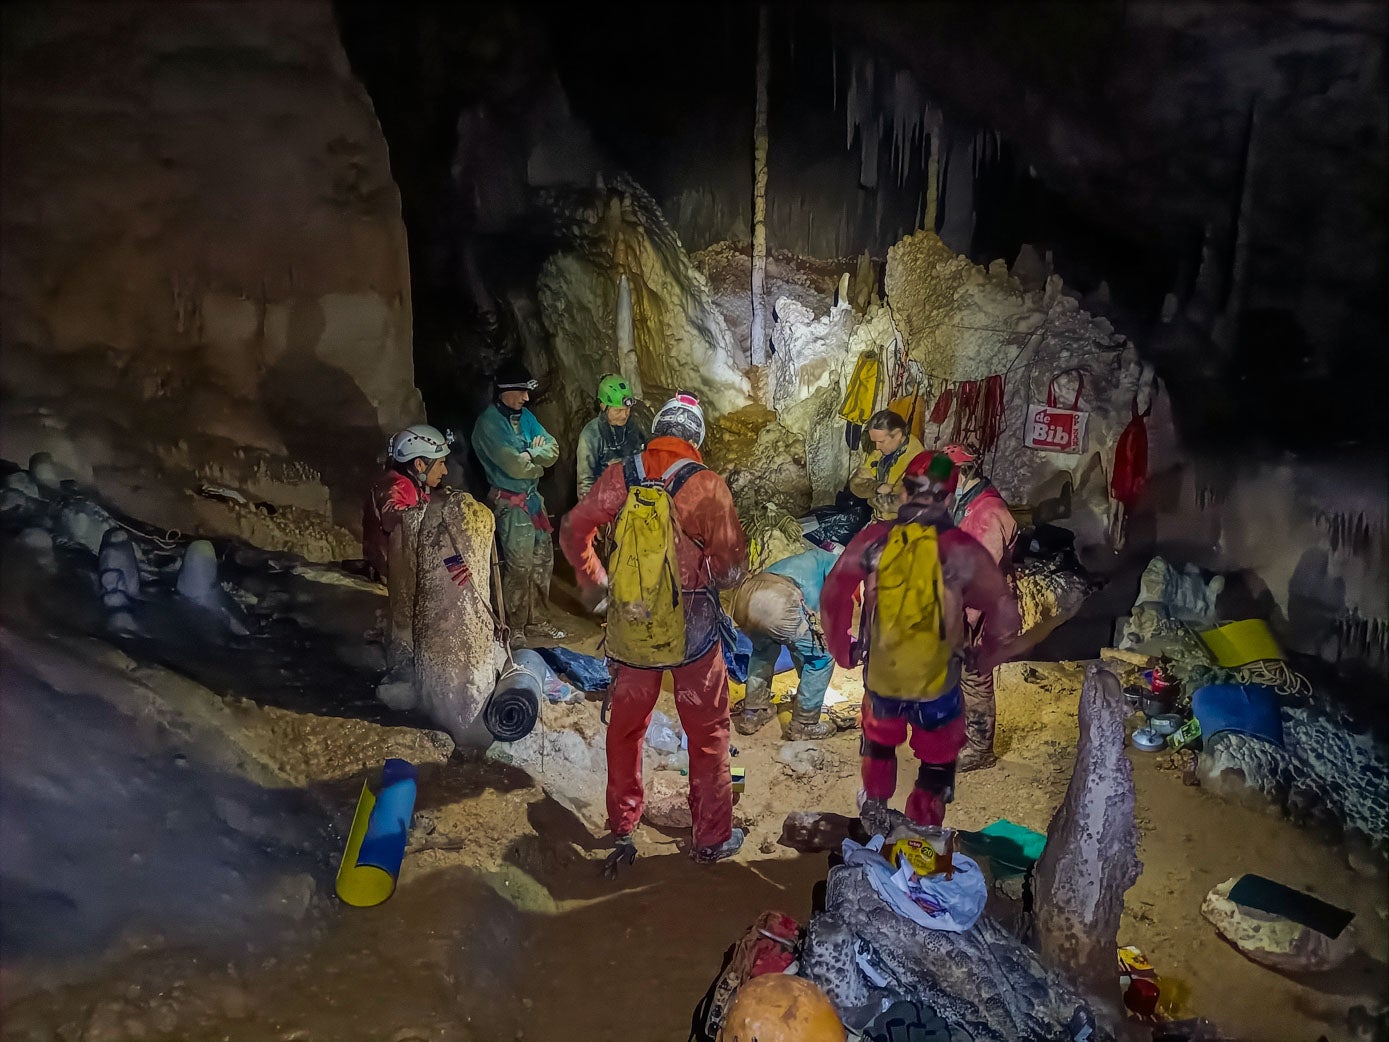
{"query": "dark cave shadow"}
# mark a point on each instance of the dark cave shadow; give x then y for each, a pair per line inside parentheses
(1361, 974)
(346, 459)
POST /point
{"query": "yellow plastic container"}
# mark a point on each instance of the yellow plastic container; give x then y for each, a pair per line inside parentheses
(1243, 642)
(740, 777)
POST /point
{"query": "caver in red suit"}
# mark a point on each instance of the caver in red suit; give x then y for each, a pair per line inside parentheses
(712, 554)
(391, 493)
(980, 511)
(937, 725)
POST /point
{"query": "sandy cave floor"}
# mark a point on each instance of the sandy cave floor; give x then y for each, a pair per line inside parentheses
(503, 928)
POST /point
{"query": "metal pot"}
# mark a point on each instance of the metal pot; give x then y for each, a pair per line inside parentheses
(1165, 723)
(1148, 740)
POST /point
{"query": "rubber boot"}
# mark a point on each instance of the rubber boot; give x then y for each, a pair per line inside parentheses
(750, 721)
(808, 727)
(757, 708)
(726, 849)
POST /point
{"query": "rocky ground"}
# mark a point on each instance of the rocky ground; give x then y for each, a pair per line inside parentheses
(175, 802)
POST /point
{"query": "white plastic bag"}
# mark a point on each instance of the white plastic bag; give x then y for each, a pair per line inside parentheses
(960, 899)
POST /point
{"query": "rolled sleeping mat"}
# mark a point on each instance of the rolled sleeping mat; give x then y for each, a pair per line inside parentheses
(1250, 709)
(376, 842)
(514, 706)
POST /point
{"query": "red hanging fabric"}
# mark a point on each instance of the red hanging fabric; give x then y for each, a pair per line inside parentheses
(991, 420)
(940, 412)
(1130, 478)
(966, 409)
(979, 414)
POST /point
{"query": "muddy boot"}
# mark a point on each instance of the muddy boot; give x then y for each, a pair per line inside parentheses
(808, 727)
(757, 707)
(750, 721)
(726, 849)
(975, 758)
(544, 629)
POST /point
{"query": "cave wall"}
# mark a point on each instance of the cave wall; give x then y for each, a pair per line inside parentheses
(1304, 540)
(204, 272)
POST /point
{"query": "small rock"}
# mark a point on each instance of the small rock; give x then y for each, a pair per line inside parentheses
(44, 472)
(767, 846)
(292, 895)
(400, 695)
(21, 482)
(801, 757)
(83, 523)
(37, 541)
(12, 501)
(105, 1023)
(667, 801)
(1272, 940)
(570, 748)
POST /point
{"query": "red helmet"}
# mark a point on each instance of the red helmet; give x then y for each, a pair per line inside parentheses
(959, 454)
(932, 466)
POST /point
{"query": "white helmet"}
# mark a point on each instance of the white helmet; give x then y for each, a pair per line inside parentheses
(681, 417)
(418, 440)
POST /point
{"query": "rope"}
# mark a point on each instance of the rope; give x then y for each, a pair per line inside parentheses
(171, 538)
(1276, 674)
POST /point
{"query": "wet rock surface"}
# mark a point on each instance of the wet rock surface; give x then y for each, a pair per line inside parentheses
(1272, 940)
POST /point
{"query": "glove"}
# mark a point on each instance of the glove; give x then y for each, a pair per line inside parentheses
(624, 853)
(855, 653)
(458, 571)
(595, 599)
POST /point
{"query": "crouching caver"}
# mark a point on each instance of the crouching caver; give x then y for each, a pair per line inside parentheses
(919, 573)
(678, 542)
(780, 607)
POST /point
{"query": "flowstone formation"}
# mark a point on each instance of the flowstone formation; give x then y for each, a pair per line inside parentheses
(205, 278)
(621, 259)
(966, 324)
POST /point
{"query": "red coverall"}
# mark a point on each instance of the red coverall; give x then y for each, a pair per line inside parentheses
(712, 551)
(968, 569)
(390, 493)
(987, 518)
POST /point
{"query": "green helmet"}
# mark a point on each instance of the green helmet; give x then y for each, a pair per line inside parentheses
(614, 392)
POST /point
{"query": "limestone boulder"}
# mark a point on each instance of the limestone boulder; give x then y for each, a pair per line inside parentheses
(204, 264)
(1272, 940)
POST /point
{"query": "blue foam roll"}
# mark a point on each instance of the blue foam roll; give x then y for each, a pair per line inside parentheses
(383, 846)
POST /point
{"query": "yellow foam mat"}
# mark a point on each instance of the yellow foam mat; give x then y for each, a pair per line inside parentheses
(1243, 642)
(362, 886)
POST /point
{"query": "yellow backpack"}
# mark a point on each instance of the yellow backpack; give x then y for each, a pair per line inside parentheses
(909, 645)
(646, 613)
(862, 392)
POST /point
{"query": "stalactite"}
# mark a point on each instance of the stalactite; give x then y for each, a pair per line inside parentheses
(834, 79)
(757, 345)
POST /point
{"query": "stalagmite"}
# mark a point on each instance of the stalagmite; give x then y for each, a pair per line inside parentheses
(626, 340)
(1090, 858)
(757, 339)
(197, 581)
(118, 570)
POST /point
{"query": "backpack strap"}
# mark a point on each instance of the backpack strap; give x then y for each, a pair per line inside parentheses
(678, 473)
(633, 471)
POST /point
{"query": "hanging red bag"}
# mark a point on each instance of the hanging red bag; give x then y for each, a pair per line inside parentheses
(1130, 478)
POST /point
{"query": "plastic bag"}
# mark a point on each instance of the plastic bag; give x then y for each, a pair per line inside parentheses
(663, 733)
(841, 522)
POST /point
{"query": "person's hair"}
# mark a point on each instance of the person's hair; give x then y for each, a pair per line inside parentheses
(886, 420)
